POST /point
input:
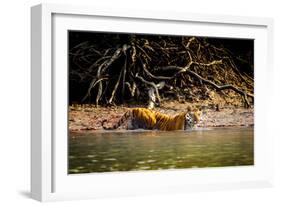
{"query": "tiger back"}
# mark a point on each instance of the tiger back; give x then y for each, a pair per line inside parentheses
(168, 123)
(142, 118)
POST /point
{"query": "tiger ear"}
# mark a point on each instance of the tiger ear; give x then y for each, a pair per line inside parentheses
(202, 111)
(189, 108)
(198, 109)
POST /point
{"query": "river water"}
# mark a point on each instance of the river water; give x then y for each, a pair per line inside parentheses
(155, 150)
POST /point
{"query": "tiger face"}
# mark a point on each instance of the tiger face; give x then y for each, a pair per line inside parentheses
(192, 119)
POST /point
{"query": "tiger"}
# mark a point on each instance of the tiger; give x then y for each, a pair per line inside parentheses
(147, 119)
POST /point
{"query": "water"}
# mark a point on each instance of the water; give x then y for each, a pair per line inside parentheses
(155, 150)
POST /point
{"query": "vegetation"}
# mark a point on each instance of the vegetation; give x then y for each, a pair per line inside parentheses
(110, 69)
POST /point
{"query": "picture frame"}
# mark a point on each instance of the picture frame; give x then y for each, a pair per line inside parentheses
(49, 178)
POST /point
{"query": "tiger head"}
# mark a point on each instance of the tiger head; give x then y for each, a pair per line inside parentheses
(192, 119)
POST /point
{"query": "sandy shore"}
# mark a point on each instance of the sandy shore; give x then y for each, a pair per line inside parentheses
(88, 117)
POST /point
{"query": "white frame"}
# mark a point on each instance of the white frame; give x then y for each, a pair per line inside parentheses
(46, 159)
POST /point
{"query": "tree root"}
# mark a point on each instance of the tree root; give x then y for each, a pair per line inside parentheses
(148, 63)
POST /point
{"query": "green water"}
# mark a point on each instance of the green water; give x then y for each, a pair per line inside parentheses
(154, 150)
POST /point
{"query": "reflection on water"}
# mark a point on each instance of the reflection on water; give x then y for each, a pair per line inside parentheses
(155, 150)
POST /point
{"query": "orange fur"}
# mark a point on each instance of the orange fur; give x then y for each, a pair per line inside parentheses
(156, 120)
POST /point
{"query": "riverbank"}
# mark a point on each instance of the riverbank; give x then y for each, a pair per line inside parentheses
(89, 117)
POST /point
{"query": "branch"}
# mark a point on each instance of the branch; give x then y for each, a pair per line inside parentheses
(132, 88)
(152, 84)
(227, 86)
(101, 69)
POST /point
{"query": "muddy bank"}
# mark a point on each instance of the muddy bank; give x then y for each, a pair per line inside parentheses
(88, 117)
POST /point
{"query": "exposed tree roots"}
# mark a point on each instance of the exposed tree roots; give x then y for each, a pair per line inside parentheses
(148, 68)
